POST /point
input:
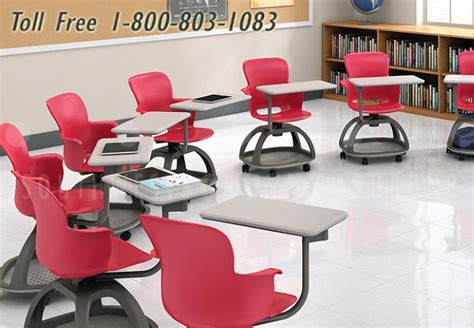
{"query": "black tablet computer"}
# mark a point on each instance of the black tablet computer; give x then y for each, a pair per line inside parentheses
(210, 99)
(121, 148)
(143, 174)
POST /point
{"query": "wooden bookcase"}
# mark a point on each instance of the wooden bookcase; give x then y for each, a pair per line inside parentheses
(444, 36)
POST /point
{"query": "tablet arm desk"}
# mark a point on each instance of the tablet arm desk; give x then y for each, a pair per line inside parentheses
(311, 223)
(455, 81)
(280, 157)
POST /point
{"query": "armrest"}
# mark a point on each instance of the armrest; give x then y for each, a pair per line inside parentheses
(267, 272)
(344, 83)
(102, 129)
(246, 91)
(382, 81)
(50, 166)
(459, 79)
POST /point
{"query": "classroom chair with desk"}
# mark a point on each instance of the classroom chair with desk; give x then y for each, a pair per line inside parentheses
(154, 93)
(83, 261)
(269, 87)
(463, 87)
(373, 94)
(23, 274)
(79, 134)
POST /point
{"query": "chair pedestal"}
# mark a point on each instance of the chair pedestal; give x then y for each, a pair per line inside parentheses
(89, 310)
(451, 148)
(174, 152)
(277, 157)
(377, 147)
(24, 274)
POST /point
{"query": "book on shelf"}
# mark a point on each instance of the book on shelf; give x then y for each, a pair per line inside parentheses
(344, 44)
(450, 102)
(169, 184)
(453, 57)
(422, 96)
(413, 54)
(336, 78)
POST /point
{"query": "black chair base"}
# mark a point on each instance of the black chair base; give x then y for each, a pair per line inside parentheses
(23, 274)
(89, 310)
(276, 157)
(451, 148)
(174, 152)
(378, 147)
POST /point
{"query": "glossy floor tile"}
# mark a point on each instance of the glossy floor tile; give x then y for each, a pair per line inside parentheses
(403, 258)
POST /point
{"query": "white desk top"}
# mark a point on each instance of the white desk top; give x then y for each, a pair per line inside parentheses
(142, 157)
(151, 123)
(193, 106)
(275, 215)
(295, 87)
(133, 189)
(459, 79)
(385, 81)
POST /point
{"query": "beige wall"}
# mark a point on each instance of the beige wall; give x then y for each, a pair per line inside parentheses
(196, 66)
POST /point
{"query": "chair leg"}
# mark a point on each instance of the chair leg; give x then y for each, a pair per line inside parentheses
(87, 299)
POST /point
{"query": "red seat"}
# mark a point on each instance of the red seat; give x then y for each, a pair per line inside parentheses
(71, 253)
(154, 93)
(466, 92)
(47, 168)
(199, 285)
(384, 99)
(78, 133)
(265, 71)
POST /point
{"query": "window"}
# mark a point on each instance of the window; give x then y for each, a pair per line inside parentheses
(456, 12)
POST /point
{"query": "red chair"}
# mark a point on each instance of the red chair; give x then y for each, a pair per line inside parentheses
(266, 71)
(154, 93)
(78, 133)
(81, 260)
(20, 274)
(199, 285)
(382, 100)
(464, 94)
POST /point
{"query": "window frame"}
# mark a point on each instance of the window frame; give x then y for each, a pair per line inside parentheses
(427, 22)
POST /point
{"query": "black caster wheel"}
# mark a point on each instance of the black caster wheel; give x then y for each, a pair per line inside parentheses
(462, 157)
(126, 235)
(272, 173)
(245, 168)
(306, 168)
(398, 158)
(448, 151)
(365, 161)
(342, 155)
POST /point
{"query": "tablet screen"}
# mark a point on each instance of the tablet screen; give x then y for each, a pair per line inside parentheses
(212, 98)
(144, 174)
(121, 148)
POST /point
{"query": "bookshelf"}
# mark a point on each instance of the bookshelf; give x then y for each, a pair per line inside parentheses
(445, 38)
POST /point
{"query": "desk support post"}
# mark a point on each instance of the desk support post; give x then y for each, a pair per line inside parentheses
(270, 106)
(304, 287)
(361, 102)
(186, 132)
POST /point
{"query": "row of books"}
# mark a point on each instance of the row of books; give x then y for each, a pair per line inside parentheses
(423, 96)
(336, 78)
(450, 102)
(413, 54)
(344, 44)
(454, 52)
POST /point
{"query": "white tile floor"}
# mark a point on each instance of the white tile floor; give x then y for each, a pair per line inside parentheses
(404, 257)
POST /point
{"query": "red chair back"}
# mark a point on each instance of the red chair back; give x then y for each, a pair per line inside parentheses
(153, 92)
(14, 146)
(67, 253)
(369, 64)
(199, 285)
(70, 114)
(264, 71)
(466, 67)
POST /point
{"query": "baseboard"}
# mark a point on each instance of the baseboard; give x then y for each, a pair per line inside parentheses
(51, 139)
